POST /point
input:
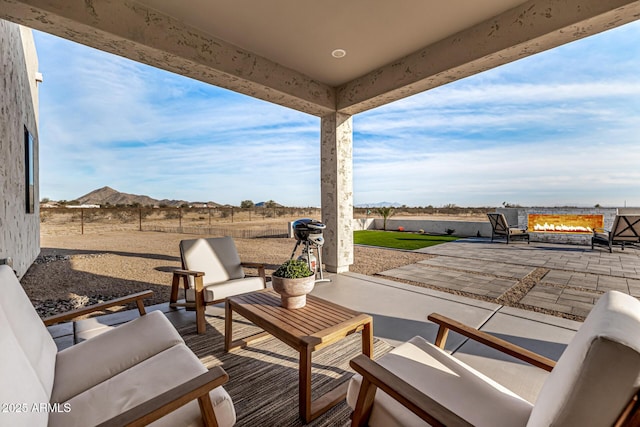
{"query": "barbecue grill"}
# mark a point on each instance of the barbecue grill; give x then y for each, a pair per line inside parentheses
(308, 233)
(309, 229)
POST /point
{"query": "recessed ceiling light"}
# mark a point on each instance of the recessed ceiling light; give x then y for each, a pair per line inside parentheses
(339, 53)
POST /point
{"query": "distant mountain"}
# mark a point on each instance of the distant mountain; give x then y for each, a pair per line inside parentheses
(379, 205)
(107, 195)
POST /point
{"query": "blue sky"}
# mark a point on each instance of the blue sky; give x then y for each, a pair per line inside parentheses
(558, 128)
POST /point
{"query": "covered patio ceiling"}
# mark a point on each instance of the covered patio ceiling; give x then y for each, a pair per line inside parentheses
(281, 50)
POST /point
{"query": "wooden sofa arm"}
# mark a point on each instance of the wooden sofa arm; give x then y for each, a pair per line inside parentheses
(69, 315)
(167, 402)
(516, 351)
(375, 376)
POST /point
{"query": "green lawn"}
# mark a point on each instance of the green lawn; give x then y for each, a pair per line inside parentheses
(398, 240)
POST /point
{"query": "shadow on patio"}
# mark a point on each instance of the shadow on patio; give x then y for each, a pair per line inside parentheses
(400, 312)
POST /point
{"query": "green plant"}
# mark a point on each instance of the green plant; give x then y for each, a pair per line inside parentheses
(386, 213)
(293, 269)
(450, 231)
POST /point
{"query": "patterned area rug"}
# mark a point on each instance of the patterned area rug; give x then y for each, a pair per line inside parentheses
(263, 377)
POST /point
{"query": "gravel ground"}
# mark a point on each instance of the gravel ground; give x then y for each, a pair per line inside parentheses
(76, 270)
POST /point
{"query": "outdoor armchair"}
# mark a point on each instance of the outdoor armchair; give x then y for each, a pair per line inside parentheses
(500, 227)
(134, 374)
(212, 271)
(626, 229)
(595, 382)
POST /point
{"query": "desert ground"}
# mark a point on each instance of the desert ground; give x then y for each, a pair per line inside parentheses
(111, 260)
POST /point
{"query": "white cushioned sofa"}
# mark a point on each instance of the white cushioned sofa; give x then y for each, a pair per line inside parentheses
(103, 379)
(596, 381)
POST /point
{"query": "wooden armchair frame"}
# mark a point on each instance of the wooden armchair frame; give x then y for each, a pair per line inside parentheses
(167, 402)
(199, 305)
(375, 376)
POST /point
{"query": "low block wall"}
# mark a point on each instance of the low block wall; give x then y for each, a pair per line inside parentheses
(363, 224)
(461, 228)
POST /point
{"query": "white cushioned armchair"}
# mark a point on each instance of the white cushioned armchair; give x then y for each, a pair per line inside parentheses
(212, 271)
(594, 383)
(138, 373)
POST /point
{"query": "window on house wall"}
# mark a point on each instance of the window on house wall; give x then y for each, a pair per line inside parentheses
(28, 168)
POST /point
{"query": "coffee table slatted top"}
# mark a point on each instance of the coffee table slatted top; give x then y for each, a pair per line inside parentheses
(317, 323)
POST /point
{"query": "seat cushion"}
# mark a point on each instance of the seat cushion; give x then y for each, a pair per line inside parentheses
(82, 366)
(30, 333)
(138, 384)
(516, 231)
(220, 291)
(599, 372)
(463, 390)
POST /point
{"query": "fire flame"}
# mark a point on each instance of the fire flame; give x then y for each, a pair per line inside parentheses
(565, 223)
(562, 228)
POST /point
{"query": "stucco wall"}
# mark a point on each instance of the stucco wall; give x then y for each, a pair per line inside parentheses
(19, 231)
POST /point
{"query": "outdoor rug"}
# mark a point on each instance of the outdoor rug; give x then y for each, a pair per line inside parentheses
(263, 377)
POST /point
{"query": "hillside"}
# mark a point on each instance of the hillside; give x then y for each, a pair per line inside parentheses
(107, 195)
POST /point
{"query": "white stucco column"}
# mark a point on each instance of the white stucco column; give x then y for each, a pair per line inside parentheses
(336, 176)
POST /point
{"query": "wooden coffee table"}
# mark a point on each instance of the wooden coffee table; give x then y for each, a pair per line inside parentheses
(306, 329)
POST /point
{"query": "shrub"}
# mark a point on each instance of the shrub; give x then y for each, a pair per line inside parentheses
(293, 269)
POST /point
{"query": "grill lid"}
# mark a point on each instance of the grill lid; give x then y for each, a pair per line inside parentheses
(309, 229)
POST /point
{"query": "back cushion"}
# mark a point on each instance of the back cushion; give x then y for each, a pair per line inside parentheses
(626, 227)
(30, 333)
(216, 257)
(20, 387)
(499, 223)
(599, 371)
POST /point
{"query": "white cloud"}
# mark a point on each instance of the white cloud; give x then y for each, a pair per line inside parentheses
(560, 127)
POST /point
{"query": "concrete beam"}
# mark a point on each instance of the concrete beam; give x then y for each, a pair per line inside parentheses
(533, 27)
(336, 188)
(130, 30)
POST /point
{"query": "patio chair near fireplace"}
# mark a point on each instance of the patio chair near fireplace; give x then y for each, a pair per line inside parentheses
(625, 230)
(500, 228)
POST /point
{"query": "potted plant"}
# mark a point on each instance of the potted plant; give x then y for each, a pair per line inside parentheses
(293, 280)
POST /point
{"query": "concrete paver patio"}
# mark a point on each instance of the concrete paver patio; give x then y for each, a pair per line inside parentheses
(572, 279)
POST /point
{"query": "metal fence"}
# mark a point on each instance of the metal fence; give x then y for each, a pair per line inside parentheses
(227, 221)
(235, 222)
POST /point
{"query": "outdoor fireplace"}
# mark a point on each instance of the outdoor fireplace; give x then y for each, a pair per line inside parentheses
(560, 224)
(564, 223)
